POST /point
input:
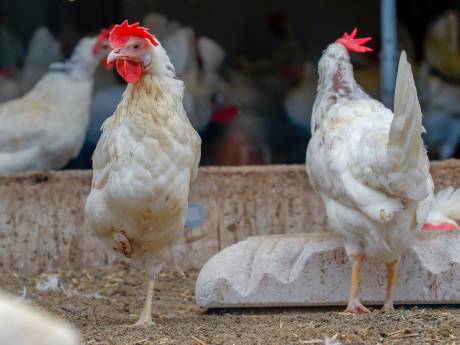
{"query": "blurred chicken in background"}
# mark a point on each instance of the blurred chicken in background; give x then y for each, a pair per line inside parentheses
(160, 24)
(442, 45)
(198, 62)
(43, 50)
(46, 127)
(238, 129)
(21, 324)
(439, 82)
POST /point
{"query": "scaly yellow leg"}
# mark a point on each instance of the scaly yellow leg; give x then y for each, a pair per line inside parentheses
(392, 272)
(354, 305)
(146, 315)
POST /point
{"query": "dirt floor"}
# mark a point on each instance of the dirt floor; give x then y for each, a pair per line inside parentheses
(103, 303)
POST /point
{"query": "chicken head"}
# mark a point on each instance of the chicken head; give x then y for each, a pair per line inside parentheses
(131, 50)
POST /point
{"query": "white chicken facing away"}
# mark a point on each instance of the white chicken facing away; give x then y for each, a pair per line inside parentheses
(21, 324)
(46, 127)
(370, 166)
(146, 158)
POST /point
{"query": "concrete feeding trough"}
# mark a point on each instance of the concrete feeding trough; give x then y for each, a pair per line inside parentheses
(313, 270)
(42, 225)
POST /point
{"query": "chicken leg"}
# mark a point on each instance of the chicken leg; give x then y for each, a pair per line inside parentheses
(354, 305)
(145, 319)
(392, 271)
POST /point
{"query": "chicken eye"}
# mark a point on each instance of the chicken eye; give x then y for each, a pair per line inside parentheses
(136, 46)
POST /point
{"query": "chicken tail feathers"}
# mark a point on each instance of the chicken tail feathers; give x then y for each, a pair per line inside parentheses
(406, 152)
(444, 211)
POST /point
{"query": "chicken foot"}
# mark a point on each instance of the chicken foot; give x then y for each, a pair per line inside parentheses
(354, 305)
(145, 319)
(392, 271)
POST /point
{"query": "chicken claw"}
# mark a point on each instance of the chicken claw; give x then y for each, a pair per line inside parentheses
(122, 244)
(143, 323)
(388, 307)
(356, 308)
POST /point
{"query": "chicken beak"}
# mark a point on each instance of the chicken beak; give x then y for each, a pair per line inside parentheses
(113, 56)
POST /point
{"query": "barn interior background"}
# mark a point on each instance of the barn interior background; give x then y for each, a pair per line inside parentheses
(252, 106)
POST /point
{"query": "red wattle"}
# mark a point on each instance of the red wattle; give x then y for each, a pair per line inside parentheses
(130, 71)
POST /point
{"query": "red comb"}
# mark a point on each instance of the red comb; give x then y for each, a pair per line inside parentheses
(103, 35)
(121, 33)
(354, 44)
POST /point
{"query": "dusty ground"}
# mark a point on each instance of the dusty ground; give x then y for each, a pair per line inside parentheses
(103, 303)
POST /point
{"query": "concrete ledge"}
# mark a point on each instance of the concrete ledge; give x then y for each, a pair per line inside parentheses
(42, 225)
(313, 270)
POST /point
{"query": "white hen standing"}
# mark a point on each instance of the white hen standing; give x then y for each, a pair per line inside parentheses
(146, 158)
(369, 166)
(46, 127)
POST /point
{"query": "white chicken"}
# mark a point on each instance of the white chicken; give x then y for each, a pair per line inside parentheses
(43, 50)
(21, 324)
(145, 159)
(368, 165)
(46, 128)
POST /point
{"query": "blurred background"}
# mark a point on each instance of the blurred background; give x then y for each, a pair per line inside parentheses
(249, 66)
